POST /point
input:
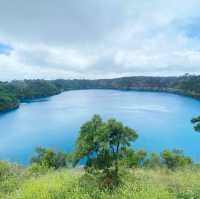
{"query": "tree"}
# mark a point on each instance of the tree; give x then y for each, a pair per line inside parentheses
(131, 158)
(153, 161)
(175, 158)
(101, 143)
(196, 122)
(49, 158)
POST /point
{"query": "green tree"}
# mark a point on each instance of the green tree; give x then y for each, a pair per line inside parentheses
(175, 158)
(49, 158)
(196, 122)
(101, 143)
(153, 161)
(131, 158)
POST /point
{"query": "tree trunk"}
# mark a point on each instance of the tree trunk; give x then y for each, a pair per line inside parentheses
(116, 161)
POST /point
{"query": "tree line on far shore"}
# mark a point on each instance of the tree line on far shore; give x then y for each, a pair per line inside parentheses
(14, 92)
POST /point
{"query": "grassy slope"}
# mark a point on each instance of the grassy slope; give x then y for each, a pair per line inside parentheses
(138, 184)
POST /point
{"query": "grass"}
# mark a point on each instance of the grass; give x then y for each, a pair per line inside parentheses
(17, 183)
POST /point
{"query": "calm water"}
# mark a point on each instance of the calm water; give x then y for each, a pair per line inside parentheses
(161, 120)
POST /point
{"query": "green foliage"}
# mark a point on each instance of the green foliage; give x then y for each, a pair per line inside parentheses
(12, 93)
(153, 161)
(101, 143)
(175, 158)
(11, 176)
(7, 102)
(172, 159)
(36, 169)
(137, 184)
(4, 169)
(49, 158)
(196, 122)
(130, 158)
(36, 88)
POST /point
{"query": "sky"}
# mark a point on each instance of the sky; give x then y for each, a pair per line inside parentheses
(93, 39)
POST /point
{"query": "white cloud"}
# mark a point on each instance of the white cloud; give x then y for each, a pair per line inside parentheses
(99, 39)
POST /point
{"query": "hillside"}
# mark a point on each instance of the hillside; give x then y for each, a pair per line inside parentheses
(72, 184)
(12, 93)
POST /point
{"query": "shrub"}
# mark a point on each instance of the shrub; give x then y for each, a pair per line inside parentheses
(175, 158)
(131, 158)
(49, 158)
(153, 161)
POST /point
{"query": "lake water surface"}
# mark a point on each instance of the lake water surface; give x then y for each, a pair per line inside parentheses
(162, 121)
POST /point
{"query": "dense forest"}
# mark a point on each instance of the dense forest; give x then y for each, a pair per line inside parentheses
(12, 93)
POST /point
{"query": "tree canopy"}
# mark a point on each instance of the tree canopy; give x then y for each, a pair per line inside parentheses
(101, 144)
(49, 158)
(196, 122)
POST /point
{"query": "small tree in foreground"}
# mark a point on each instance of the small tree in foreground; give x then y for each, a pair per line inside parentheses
(101, 144)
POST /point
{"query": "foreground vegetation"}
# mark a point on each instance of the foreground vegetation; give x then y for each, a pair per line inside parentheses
(140, 183)
(12, 93)
(112, 169)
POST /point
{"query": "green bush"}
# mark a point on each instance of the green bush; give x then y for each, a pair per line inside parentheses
(153, 160)
(49, 158)
(175, 158)
(131, 158)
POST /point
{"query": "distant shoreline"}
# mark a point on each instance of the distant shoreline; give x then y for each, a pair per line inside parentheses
(16, 92)
(41, 99)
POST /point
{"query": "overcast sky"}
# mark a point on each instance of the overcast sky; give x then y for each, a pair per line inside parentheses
(98, 38)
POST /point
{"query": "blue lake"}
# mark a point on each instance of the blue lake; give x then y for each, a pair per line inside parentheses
(162, 121)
